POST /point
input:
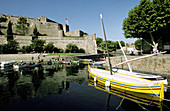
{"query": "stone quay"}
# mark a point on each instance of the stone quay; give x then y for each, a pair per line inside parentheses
(159, 64)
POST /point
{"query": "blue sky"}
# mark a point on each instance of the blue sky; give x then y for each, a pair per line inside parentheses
(82, 14)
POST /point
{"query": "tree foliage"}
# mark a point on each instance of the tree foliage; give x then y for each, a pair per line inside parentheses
(117, 44)
(72, 48)
(49, 47)
(111, 45)
(26, 49)
(37, 45)
(9, 31)
(35, 32)
(9, 48)
(22, 26)
(138, 44)
(98, 41)
(3, 19)
(150, 21)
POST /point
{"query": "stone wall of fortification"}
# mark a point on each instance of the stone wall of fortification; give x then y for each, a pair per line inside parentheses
(52, 32)
(88, 43)
(44, 26)
(23, 40)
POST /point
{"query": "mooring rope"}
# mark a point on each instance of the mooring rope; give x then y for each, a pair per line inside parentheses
(120, 103)
(158, 96)
(143, 107)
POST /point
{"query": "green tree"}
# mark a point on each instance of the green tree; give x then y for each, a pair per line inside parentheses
(35, 32)
(4, 49)
(3, 19)
(12, 46)
(61, 50)
(149, 21)
(117, 44)
(49, 47)
(1, 48)
(111, 45)
(22, 26)
(37, 45)
(81, 50)
(26, 49)
(9, 31)
(138, 44)
(0, 30)
(98, 41)
(9, 48)
(72, 48)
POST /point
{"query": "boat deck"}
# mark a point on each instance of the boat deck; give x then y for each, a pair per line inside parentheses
(121, 77)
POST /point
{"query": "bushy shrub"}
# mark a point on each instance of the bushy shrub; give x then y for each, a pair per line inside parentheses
(71, 48)
(81, 50)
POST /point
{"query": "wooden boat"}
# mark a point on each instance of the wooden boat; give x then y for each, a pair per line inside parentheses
(141, 98)
(5, 64)
(155, 78)
(126, 82)
(75, 62)
(86, 61)
(99, 63)
(26, 65)
(66, 62)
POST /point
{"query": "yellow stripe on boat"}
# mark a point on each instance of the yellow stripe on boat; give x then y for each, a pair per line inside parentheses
(136, 97)
(155, 89)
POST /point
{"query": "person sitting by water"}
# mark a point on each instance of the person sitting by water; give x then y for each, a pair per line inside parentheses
(155, 50)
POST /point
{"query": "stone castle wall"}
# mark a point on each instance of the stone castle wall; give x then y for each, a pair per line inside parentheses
(44, 26)
(88, 43)
(53, 32)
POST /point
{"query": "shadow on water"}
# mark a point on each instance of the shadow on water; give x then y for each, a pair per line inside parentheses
(65, 88)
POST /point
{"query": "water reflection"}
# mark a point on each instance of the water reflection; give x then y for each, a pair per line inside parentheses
(39, 82)
(54, 87)
(129, 99)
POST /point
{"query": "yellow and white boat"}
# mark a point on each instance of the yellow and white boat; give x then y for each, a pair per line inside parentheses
(127, 82)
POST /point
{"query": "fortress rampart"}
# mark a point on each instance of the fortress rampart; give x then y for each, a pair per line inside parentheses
(53, 32)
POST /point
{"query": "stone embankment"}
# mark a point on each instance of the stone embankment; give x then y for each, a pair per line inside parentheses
(159, 64)
(24, 57)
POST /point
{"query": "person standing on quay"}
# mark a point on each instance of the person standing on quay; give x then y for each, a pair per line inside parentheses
(32, 58)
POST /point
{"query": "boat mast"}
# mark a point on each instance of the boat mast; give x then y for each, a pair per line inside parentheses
(106, 44)
(130, 69)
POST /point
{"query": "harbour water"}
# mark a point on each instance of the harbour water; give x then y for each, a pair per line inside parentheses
(65, 88)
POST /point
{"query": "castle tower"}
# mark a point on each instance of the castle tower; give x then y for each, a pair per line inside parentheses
(65, 28)
(94, 36)
(43, 19)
